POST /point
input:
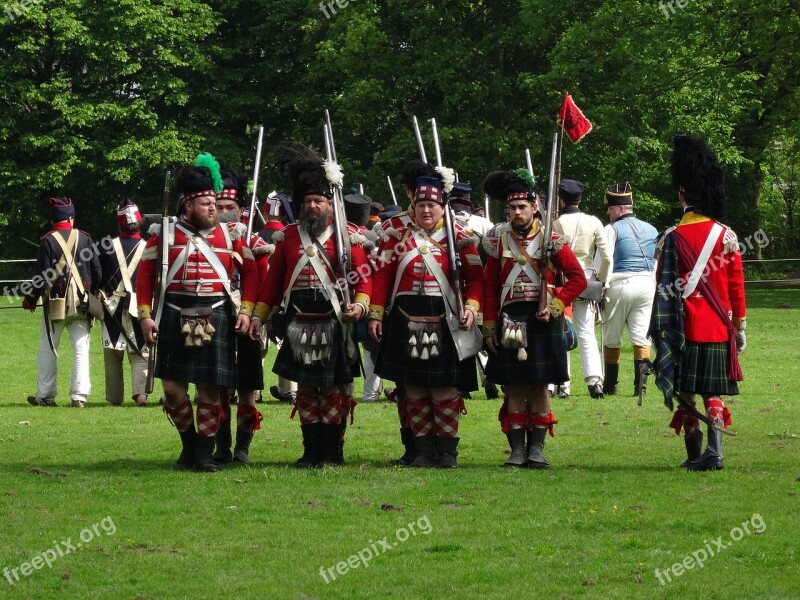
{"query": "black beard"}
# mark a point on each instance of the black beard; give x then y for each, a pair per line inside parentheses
(200, 222)
(314, 225)
(523, 229)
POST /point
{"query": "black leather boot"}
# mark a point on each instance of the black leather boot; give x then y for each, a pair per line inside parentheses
(536, 459)
(519, 449)
(641, 369)
(711, 459)
(332, 451)
(407, 438)
(446, 452)
(312, 446)
(202, 458)
(223, 455)
(425, 446)
(189, 442)
(611, 379)
(241, 452)
(694, 447)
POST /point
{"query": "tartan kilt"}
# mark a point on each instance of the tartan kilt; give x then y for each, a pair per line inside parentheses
(704, 369)
(214, 363)
(249, 367)
(396, 365)
(547, 354)
(338, 371)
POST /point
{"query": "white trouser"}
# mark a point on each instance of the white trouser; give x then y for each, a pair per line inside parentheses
(584, 317)
(47, 364)
(115, 386)
(630, 300)
(285, 386)
(373, 385)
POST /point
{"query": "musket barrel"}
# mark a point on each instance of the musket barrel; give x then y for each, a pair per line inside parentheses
(420, 145)
(436, 143)
(528, 162)
(548, 224)
(255, 182)
(391, 189)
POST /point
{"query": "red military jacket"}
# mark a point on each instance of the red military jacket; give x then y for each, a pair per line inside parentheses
(196, 276)
(700, 322)
(288, 251)
(501, 261)
(261, 253)
(415, 277)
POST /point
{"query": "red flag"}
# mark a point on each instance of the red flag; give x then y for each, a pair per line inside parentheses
(572, 120)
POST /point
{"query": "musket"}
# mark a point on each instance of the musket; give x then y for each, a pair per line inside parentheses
(547, 232)
(391, 189)
(454, 256)
(528, 162)
(420, 145)
(255, 184)
(161, 282)
(360, 188)
(342, 239)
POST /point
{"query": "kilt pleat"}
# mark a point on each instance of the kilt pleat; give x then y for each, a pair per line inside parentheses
(704, 369)
(337, 371)
(214, 363)
(248, 364)
(396, 365)
(547, 354)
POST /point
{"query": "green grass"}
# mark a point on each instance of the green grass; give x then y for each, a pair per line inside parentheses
(613, 508)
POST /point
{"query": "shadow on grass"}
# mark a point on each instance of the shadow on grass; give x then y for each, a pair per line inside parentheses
(772, 297)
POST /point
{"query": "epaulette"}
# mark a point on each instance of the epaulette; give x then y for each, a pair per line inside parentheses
(497, 230)
(357, 239)
(491, 246)
(730, 242)
(391, 233)
(558, 242)
(470, 240)
(155, 229)
(237, 230)
(377, 229)
(278, 237)
(262, 249)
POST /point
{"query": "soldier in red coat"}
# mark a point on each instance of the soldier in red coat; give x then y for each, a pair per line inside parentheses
(231, 202)
(526, 345)
(303, 295)
(194, 318)
(393, 220)
(417, 348)
(698, 321)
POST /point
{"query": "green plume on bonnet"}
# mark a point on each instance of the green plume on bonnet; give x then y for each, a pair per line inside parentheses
(529, 179)
(207, 160)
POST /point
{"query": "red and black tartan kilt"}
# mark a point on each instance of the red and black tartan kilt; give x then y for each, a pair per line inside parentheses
(547, 354)
(396, 365)
(704, 369)
(337, 371)
(214, 363)
(248, 364)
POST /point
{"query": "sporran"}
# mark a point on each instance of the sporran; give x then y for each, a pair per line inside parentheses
(196, 326)
(310, 336)
(514, 335)
(424, 337)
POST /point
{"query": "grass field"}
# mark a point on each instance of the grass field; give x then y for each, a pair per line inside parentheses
(614, 508)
